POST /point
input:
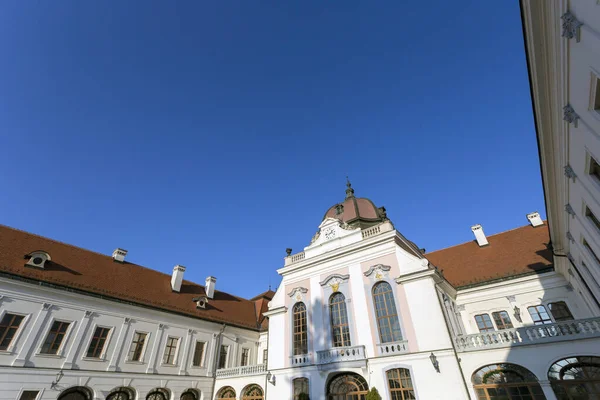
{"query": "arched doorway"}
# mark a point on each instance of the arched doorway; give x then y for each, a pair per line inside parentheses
(252, 392)
(159, 394)
(576, 378)
(347, 386)
(506, 381)
(226, 393)
(190, 394)
(76, 393)
(121, 393)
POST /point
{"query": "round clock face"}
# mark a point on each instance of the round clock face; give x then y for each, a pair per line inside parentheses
(329, 233)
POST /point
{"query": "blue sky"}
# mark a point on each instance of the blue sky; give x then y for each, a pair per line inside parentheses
(216, 134)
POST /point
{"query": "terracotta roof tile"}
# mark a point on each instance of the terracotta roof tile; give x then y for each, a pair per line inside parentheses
(515, 252)
(98, 274)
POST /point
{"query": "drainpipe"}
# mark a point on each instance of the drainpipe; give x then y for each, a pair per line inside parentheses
(217, 353)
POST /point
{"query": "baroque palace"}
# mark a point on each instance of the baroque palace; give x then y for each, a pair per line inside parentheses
(514, 315)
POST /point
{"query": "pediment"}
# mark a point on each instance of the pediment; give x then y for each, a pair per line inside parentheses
(377, 269)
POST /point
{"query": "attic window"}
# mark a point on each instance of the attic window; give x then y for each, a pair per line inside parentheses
(200, 301)
(38, 259)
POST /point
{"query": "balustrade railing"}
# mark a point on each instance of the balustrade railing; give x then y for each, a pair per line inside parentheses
(301, 359)
(558, 331)
(389, 349)
(337, 354)
(242, 371)
(370, 231)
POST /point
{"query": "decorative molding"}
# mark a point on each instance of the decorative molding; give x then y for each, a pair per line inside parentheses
(570, 271)
(570, 210)
(570, 257)
(460, 307)
(126, 320)
(570, 237)
(297, 289)
(191, 331)
(162, 326)
(88, 313)
(571, 26)
(378, 269)
(334, 281)
(511, 299)
(569, 287)
(570, 115)
(569, 173)
(46, 306)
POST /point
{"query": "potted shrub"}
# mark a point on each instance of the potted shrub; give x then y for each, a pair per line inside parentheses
(373, 394)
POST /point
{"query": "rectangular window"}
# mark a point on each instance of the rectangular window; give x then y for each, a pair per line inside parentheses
(594, 169)
(484, 323)
(137, 346)
(98, 342)
(502, 320)
(29, 394)
(245, 356)
(592, 217)
(223, 356)
(265, 356)
(539, 315)
(55, 337)
(560, 311)
(596, 104)
(198, 354)
(8, 328)
(589, 248)
(170, 350)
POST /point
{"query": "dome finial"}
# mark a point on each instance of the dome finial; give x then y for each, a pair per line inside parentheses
(349, 190)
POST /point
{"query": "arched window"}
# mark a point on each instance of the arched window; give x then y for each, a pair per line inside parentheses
(347, 386)
(386, 314)
(340, 331)
(252, 392)
(121, 393)
(158, 394)
(226, 393)
(300, 333)
(506, 381)
(76, 393)
(400, 384)
(300, 386)
(190, 394)
(576, 378)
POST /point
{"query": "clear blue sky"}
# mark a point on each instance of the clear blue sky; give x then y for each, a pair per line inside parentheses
(216, 134)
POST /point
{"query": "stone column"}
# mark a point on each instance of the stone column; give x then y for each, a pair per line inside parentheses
(30, 340)
(155, 349)
(186, 349)
(112, 365)
(77, 340)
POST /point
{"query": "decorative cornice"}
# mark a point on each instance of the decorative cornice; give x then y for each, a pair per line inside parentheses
(88, 314)
(162, 326)
(511, 298)
(570, 115)
(334, 276)
(297, 289)
(275, 311)
(126, 320)
(570, 210)
(460, 307)
(571, 26)
(376, 267)
(569, 173)
(46, 306)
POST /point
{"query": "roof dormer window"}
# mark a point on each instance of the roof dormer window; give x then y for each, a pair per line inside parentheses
(38, 259)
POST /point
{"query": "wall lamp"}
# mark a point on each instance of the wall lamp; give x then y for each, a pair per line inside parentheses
(434, 362)
(517, 312)
(57, 379)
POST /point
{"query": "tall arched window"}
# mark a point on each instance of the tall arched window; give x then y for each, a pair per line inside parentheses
(386, 314)
(158, 394)
(576, 378)
(300, 339)
(226, 393)
(340, 330)
(252, 392)
(121, 393)
(300, 385)
(506, 381)
(76, 393)
(190, 394)
(400, 384)
(347, 386)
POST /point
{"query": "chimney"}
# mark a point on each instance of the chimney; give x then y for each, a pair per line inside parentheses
(535, 219)
(479, 235)
(119, 255)
(177, 278)
(211, 282)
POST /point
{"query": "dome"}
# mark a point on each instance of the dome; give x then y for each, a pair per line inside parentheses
(356, 212)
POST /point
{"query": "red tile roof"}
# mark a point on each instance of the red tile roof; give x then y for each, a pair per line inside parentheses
(516, 252)
(98, 274)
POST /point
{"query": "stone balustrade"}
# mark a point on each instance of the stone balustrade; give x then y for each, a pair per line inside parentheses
(393, 348)
(371, 231)
(533, 334)
(338, 354)
(242, 371)
(301, 359)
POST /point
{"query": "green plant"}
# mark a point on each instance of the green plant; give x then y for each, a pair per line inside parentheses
(303, 396)
(373, 394)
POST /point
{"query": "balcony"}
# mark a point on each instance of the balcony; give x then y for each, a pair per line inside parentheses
(301, 359)
(535, 334)
(393, 348)
(242, 371)
(340, 354)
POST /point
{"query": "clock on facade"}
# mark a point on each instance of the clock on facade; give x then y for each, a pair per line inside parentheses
(329, 233)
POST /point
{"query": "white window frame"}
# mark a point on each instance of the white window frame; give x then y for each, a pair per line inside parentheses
(40, 391)
(176, 356)
(61, 348)
(242, 356)
(226, 357)
(143, 354)
(371, 304)
(106, 343)
(11, 347)
(204, 350)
